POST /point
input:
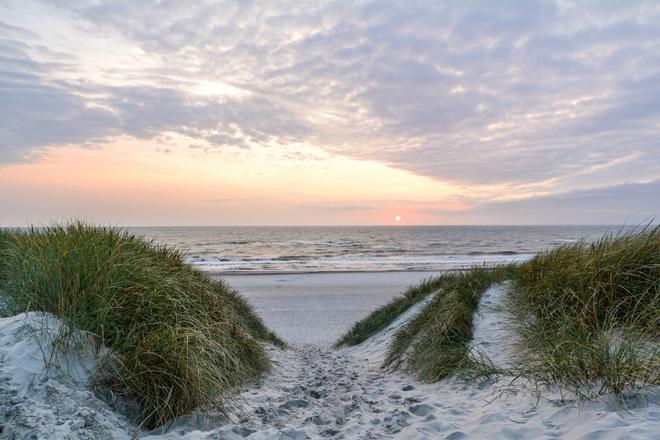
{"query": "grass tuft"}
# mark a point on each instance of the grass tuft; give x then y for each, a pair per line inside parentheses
(178, 339)
(434, 344)
(386, 314)
(588, 314)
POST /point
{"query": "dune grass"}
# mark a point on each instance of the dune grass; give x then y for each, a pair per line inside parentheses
(4, 305)
(178, 339)
(589, 314)
(386, 314)
(434, 344)
(587, 317)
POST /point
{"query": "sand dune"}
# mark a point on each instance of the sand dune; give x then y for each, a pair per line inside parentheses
(55, 402)
(316, 392)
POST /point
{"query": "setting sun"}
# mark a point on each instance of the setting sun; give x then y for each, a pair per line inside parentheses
(397, 218)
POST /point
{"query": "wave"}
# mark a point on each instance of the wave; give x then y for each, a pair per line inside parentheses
(495, 253)
(298, 263)
(324, 243)
(360, 248)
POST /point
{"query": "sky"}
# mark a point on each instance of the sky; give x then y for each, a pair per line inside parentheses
(329, 112)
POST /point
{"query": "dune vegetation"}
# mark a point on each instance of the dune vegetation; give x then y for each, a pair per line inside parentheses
(435, 341)
(178, 340)
(589, 314)
(586, 316)
(384, 315)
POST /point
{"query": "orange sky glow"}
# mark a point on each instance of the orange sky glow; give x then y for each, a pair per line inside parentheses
(133, 182)
(329, 113)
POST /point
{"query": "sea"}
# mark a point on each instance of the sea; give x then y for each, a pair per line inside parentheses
(310, 249)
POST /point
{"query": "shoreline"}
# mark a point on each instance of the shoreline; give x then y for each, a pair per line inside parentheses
(325, 272)
(341, 272)
(372, 267)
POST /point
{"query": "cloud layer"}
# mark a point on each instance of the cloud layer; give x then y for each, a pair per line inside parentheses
(538, 96)
(627, 204)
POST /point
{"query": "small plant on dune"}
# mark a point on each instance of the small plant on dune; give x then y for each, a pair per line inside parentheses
(178, 339)
(386, 314)
(435, 343)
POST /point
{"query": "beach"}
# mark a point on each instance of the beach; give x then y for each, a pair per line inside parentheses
(317, 392)
(342, 220)
(291, 382)
(317, 308)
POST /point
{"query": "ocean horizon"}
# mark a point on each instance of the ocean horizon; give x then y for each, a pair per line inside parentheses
(312, 249)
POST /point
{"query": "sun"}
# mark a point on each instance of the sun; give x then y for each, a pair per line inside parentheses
(397, 218)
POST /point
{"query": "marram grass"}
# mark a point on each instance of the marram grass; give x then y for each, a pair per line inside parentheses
(586, 316)
(386, 314)
(434, 344)
(589, 313)
(178, 339)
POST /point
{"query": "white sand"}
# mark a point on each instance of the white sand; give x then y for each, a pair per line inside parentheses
(318, 308)
(317, 392)
(55, 403)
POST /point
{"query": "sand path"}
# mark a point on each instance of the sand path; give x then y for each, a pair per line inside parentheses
(317, 392)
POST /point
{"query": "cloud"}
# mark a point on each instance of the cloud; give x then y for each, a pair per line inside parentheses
(629, 204)
(36, 113)
(148, 111)
(552, 94)
(38, 110)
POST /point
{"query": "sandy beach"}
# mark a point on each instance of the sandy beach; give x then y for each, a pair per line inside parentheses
(317, 308)
(315, 391)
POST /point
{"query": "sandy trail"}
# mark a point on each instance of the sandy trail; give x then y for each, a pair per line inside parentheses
(321, 393)
(317, 392)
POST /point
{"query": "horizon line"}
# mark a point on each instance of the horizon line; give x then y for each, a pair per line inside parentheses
(45, 224)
